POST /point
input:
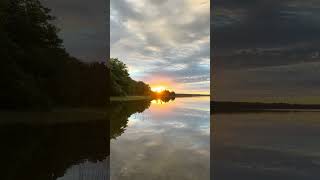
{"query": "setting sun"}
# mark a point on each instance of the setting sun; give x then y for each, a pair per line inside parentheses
(158, 89)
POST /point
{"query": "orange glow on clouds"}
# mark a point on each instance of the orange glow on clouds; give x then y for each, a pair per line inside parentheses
(158, 88)
(160, 83)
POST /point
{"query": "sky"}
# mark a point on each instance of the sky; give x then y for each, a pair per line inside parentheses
(83, 27)
(261, 49)
(266, 50)
(163, 42)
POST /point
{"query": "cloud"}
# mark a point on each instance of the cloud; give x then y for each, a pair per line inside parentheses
(83, 27)
(265, 48)
(155, 40)
(266, 23)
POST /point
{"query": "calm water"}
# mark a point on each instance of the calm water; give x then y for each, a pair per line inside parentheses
(154, 140)
(265, 146)
(161, 141)
(54, 146)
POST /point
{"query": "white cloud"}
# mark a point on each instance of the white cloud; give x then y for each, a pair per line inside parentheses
(161, 36)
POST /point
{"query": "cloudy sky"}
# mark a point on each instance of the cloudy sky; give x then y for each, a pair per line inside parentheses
(163, 42)
(83, 26)
(266, 50)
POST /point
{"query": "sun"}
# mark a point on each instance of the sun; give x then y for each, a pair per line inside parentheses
(158, 89)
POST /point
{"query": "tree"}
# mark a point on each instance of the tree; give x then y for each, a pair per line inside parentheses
(35, 69)
(122, 83)
(120, 79)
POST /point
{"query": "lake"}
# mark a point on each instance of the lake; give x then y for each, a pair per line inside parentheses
(267, 145)
(161, 140)
(61, 145)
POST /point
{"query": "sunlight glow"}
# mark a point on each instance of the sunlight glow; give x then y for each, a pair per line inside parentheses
(158, 89)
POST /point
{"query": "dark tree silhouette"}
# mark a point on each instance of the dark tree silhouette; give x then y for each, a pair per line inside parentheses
(164, 95)
(121, 82)
(123, 85)
(35, 69)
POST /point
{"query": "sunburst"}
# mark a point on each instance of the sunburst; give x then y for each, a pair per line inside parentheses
(158, 89)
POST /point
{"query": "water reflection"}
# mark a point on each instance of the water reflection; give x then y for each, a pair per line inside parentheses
(150, 140)
(269, 145)
(158, 140)
(35, 146)
(121, 111)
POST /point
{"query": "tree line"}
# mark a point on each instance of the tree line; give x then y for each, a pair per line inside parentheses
(123, 85)
(121, 82)
(35, 69)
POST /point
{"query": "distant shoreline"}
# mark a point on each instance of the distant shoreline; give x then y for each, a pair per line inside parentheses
(129, 98)
(141, 98)
(191, 95)
(230, 107)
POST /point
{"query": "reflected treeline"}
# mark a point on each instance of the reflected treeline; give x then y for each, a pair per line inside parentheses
(167, 98)
(40, 151)
(121, 111)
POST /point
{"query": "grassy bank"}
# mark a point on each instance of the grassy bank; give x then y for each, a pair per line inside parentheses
(129, 98)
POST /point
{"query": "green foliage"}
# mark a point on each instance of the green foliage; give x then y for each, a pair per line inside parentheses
(120, 79)
(123, 85)
(121, 82)
(35, 69)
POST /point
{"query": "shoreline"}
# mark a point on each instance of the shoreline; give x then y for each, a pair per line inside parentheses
(129, 98)
(140, 98)
(247, 107)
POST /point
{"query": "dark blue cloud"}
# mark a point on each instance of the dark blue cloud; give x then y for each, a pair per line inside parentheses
(84, 27)
(265, 48)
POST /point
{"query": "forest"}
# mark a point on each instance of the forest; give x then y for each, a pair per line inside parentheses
(36, 71)
(123, 85)
(121, 82)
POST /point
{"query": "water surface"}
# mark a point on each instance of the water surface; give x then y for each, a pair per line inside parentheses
(162, 140)
(264, 146)
(68, 145)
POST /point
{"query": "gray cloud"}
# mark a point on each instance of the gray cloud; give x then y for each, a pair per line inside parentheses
(156, 40)
(265, 48)
(83, 25)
